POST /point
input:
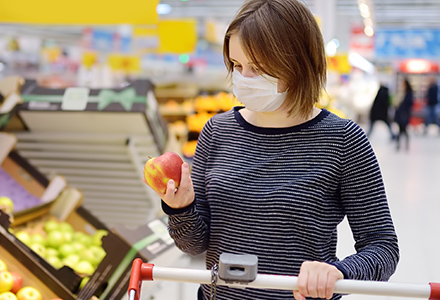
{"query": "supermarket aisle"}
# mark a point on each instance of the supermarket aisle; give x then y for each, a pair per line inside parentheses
(412, 181)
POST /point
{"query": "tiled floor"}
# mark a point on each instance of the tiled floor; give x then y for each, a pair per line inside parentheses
(412, 181)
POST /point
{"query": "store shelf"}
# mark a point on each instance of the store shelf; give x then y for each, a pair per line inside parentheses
(106, 168)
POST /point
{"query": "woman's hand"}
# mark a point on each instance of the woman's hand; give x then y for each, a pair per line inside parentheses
(316, 280)
(183, 195)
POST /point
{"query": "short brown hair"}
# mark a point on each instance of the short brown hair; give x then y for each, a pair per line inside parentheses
(283, 40)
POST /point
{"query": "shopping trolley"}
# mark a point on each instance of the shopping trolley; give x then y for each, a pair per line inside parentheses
(239, 271)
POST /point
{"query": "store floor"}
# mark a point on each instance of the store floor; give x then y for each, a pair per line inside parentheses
(412, 181)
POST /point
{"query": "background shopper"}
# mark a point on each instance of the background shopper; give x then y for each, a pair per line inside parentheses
(380, 110)
(431, 104)
(403, 113)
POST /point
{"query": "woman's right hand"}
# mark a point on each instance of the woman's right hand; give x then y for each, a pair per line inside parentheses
(183, 195)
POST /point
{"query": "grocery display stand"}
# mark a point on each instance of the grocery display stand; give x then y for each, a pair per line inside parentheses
(236, 274)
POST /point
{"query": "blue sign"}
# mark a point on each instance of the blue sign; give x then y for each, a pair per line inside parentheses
(417, 43)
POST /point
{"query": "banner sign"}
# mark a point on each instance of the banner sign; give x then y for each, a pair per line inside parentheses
(401, 44)
(79, 12)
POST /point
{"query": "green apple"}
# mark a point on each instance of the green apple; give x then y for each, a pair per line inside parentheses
(37, 238)
(98, 252)
(65, 250)
(6, 281)
(8, 296)
(50, 225)
(51, 252)
(88, 255)
(24, 237)
(78, 246)
(84, 267)
(98, 235)
(6, 205)
(3, 266)
(65, 227)
(68, 236)
(71, 260)
(84, 282)
(55, 239)
(55, 261)
(39, 249)
(83, 238)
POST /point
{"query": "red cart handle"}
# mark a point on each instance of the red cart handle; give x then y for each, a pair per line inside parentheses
(139, 272)
(144, 271)
(435, 291)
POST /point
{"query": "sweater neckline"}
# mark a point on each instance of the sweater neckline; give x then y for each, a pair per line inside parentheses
(279, 130)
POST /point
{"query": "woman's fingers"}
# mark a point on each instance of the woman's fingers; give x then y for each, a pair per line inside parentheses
(317, 279)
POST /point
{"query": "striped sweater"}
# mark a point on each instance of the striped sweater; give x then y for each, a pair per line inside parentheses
(280, 193)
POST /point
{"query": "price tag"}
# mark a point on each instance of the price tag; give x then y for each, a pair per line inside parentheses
(75, 98)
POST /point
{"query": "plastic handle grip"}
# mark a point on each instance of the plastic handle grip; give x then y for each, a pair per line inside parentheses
(435, 291)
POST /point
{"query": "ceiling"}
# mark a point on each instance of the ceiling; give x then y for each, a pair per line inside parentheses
(386, 14)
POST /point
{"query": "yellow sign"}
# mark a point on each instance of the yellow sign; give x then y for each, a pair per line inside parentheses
(177, 36)
(339, 63)
(79, 12)
(121, 62)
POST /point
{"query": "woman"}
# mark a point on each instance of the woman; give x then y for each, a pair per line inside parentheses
(403, 113)
(275, 178)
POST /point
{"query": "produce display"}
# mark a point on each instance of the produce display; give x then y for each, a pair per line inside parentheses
(13, 190)
(11, 286)
(159, 170)
(60, 245)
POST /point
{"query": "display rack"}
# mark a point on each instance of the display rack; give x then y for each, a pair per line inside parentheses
(107, 168)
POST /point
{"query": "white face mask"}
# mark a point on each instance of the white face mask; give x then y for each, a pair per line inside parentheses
(259, 94)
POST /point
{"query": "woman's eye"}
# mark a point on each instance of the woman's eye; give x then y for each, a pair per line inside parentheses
(237, 67)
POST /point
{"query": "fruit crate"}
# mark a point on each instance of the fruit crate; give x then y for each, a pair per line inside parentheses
(31, 192)
(33, 272)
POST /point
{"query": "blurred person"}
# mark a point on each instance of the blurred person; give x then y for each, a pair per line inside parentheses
(431, 104)
(403, 113)
(275, 177)
(380, 110)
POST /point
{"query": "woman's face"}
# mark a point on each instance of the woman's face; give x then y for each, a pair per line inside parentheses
(242, 64)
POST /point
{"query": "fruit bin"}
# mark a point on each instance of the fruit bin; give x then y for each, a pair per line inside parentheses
(33, 273)
(79, 220)
(31, 192)
(147, 242)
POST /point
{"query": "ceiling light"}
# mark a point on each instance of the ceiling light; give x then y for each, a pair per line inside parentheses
(163, 9)
(369, 31)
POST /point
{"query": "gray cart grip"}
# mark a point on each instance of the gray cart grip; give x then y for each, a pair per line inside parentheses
(238, 268)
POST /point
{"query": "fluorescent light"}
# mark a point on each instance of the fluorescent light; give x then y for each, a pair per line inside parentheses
(163, 9)
(358, 61)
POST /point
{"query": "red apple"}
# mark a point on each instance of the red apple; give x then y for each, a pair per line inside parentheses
(159, 170)
(6, 281)
(17, 282)
(7, 296)
(29, 293)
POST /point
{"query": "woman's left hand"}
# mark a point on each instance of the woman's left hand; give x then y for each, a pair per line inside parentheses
(316, 280)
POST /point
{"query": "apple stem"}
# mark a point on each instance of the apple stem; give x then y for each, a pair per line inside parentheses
(149, 157)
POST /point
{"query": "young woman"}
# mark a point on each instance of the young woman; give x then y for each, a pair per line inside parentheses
(275, 178)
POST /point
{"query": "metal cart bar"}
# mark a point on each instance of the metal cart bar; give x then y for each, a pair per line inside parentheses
(148, 272)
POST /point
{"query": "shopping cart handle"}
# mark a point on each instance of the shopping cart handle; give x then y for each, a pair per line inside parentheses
(144, 271)
(139, 272)
(435, 291)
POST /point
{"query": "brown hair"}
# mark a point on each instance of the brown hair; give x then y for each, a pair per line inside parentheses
(283, 40)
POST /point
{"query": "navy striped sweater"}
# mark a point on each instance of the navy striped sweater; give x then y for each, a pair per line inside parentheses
(280, 193)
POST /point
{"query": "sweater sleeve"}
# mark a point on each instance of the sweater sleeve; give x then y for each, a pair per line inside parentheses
(189, 227)
(364, 200)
